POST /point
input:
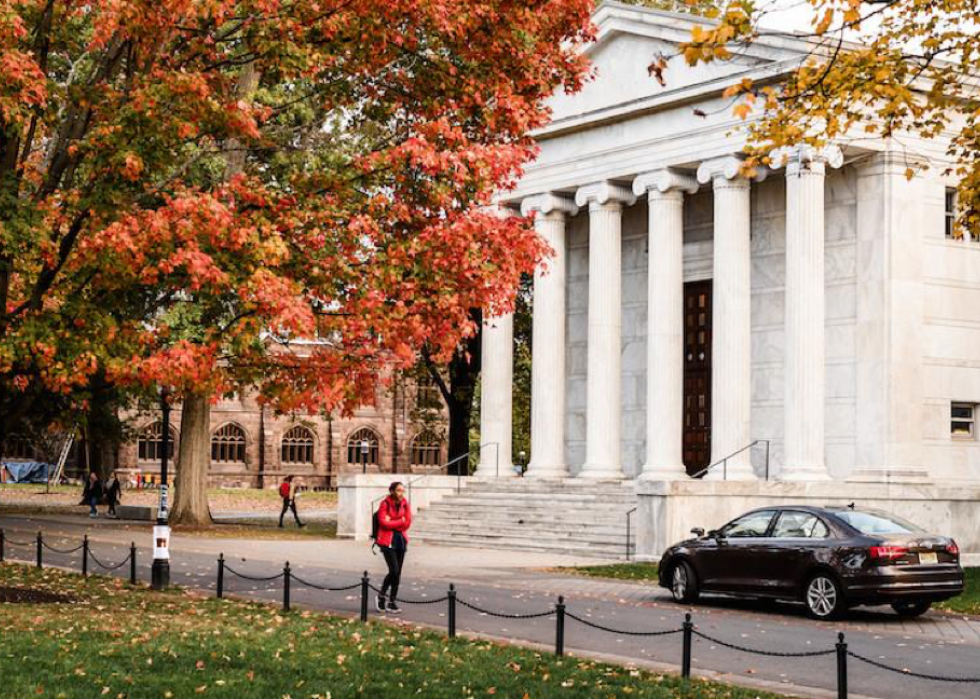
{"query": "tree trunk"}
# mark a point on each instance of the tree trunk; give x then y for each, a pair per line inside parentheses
(194, 458)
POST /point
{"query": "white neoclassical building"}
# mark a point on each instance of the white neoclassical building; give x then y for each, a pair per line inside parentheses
(817, 323)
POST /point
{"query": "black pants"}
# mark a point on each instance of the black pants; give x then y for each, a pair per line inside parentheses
(288, 504)
(395, 559)
(112, 505)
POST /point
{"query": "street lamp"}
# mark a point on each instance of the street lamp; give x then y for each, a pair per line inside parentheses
(364, 455)
(160, 573)
(522, 461)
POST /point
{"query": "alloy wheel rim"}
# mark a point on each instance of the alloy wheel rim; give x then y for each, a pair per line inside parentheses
(821, 596)
(680, 582)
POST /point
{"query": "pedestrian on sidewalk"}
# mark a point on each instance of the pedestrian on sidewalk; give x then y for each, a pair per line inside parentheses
(113, 493)
(92, 494)
(287, 491)
(394, 520)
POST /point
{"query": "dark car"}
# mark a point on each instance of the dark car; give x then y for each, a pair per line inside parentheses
(829, 558)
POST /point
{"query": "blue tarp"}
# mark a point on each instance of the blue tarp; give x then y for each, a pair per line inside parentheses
(28, 471)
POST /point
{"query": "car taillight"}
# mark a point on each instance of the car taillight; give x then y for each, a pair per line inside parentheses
(888, 553)
(953, 548)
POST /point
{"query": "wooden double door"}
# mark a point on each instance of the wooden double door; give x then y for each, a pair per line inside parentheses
(697, 376)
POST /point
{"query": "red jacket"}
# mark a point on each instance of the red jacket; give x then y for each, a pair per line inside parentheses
(393, 518)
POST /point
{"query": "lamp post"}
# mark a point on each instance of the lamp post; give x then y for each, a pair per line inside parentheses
(522, 462)
(160, 573)
(364, 455)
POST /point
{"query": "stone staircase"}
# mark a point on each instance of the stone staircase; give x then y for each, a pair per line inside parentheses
(569, 516)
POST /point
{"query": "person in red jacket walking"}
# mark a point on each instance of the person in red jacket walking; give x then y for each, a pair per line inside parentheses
(394, 520)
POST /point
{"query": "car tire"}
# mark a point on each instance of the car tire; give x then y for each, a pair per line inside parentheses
(823, 597)
(684, 583)
(911, 608)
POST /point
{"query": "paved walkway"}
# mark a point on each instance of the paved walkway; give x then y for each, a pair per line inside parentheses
(514, 583)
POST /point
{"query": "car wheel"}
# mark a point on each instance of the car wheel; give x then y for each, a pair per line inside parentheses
(911, 608)
(684, 583)
(823, 597)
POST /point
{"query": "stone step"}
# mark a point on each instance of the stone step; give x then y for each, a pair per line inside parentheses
(450, 520)
(536, 500)
(579, 549)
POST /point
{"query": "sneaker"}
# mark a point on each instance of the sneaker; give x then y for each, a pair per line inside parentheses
(92, 515)
(379, 603)
(393, 608)
(302, 524)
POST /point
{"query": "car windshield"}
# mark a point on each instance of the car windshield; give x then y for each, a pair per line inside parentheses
(868, 522)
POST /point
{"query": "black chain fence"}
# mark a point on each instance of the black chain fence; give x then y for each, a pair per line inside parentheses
(687, 630)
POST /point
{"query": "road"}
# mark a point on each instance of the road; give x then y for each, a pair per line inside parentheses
(510, 583)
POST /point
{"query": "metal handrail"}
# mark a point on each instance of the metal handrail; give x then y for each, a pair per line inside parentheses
(724, 460)
(629, 516)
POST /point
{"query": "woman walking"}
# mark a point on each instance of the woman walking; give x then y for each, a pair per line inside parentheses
(113, 493)
(92, 494)
(394, 520)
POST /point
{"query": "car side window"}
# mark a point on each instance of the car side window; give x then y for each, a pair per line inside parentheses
(799, 525)
(751, 525)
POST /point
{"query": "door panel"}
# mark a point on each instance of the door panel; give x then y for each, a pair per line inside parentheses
(697, 376)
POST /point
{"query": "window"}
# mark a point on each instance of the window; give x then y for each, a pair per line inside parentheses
(752, 524)
(872, 523)
(149, 444)
(951, 230)
(428, 396)
(297, 446)
(362, 447)
(228, 445)
(961, 420)
(799, 525)
(19, 447)
(426, 449)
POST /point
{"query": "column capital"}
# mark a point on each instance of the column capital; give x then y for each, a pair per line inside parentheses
(663, 181)
(727, 168)
(804, 157)
(547, 203)
(600, 193)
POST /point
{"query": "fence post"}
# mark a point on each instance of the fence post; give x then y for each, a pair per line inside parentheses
(221, 575)
(451, 596)
(841, 667)
(285, 587)
(560, 627)
(85, 556)
(1, 545)
(132, 562)
(40, 543)
(686, 657)
(365, 581)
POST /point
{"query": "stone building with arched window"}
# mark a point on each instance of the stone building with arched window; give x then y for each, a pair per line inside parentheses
(251, 446)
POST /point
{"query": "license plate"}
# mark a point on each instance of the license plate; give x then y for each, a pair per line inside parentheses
(928, 559)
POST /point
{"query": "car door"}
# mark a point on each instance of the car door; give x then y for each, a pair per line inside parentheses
(794, 541)
(734, 562)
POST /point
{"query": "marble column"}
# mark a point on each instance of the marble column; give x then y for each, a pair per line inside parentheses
(731, 347)
(496, 398)
(665, 191)
(804, 359)
(604, 383)
(548, 328)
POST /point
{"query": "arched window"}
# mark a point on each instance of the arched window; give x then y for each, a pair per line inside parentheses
(426, 448)
(228, 445)
(297, 446)
(150, 442)
(362, 447)
(19, 447)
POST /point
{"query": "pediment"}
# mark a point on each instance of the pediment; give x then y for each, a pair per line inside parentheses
(629, 39)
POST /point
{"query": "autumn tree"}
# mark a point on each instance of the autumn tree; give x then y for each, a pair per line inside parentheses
(895, 69)
(186, 188)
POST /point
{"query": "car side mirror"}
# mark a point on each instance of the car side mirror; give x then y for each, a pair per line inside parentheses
(698, 531)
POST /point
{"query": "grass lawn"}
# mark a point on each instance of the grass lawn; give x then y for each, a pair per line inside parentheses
(263, 529)
(969, 601)
(104, 638)
(616, 571)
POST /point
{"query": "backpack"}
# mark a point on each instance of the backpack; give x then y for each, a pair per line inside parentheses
(375, 524)
(284, 490)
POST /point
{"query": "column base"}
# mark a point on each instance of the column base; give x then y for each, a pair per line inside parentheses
(663, 473)
(600, 473)
(740, 473)
(552, 473)
(806, 474)
(491, 471)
